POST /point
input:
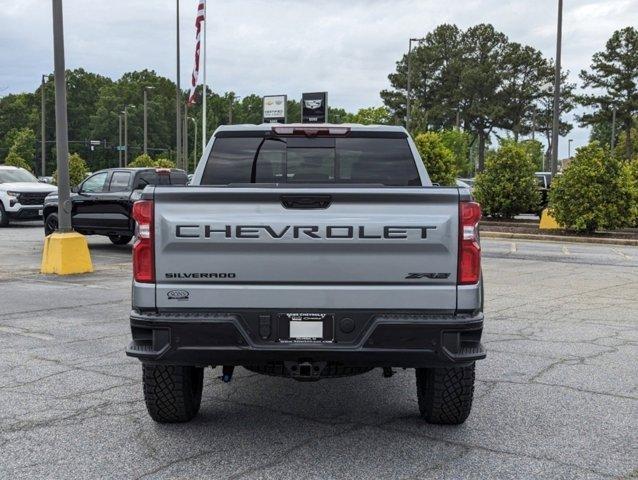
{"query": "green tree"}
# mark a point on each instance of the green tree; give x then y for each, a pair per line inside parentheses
(164, 163)
(594, 192)
(438, 159)
(145, 161)
(78, 170)
(15, 160)
(23, 144)
(543, 113)
(620, 149)
(507, 187)
(459, 142)
(613, 76)
(532, 148)
(435, 80)
(142, 161)
(523, 80)
(373, 116)
(631, 174)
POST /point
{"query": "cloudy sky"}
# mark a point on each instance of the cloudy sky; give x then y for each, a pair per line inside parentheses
(347, 47)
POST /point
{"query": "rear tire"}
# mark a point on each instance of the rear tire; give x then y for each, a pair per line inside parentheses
(50, 224)
(4, 218)
(120, 239)
(173, 393)
(445, 394)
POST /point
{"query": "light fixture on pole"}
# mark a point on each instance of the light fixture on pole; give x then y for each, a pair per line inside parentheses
(146, 89)
(409, 90)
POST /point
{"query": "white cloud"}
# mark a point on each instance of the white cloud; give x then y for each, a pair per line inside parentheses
(285, 46)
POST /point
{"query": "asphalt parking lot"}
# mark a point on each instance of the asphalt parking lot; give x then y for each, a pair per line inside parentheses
(556, 397)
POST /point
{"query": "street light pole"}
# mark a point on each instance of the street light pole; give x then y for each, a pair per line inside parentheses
(194, 144)
(146, 89)
(178, 96)
(409, 90)
(613, 127)
(125, 112)
(557, 74)
(61, 125)
(43, 140)
(185, 147)
(119, 145)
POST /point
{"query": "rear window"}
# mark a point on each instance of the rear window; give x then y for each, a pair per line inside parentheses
(151, 177)
(384, 161)
(120, 181)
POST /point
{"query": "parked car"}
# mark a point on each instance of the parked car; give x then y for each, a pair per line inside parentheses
(461, 184)
(307, 252)
(102, 203)
(468, 181)
(21, 195)
(46, 179)
(544, 181)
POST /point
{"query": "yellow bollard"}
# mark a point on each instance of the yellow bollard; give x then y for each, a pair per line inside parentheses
(66, 254)
(548, 222)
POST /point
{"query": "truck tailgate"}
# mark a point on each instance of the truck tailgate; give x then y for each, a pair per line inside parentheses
(310, 248)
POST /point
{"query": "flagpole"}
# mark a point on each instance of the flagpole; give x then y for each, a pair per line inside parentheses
(204, 139)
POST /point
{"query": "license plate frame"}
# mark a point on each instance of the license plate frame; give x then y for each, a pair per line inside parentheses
(293, 330)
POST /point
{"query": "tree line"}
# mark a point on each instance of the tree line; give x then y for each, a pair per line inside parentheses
(479, 81)
(475, 82)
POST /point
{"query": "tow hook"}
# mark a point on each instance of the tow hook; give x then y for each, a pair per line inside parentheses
(227, 373)
(387, 372)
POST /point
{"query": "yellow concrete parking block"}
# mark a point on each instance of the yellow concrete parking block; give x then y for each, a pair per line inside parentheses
(548, 222)
(66, 254)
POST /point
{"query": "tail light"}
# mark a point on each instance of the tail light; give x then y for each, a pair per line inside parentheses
(469, 247)
(310, 131)
(143, 255)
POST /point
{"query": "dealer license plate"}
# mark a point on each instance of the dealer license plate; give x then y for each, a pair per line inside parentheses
(306, 327)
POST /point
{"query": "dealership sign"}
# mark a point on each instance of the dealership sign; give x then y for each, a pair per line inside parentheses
(314, 107)
(275, 109)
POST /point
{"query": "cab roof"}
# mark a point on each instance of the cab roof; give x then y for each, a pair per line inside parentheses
(355, 127)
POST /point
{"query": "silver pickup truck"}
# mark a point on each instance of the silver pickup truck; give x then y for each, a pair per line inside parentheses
(307, 252)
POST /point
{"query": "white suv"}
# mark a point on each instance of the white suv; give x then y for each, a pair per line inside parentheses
(21, 195)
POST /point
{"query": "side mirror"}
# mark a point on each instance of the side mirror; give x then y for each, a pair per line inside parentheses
(75, 189)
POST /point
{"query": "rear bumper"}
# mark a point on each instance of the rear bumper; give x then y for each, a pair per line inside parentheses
(388, 339)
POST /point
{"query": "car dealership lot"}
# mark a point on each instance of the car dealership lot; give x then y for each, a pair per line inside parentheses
(556, 397)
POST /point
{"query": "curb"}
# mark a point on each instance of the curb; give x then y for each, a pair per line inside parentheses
(560, 238)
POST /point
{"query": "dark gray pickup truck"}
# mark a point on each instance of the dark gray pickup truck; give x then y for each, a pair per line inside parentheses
(307, 252)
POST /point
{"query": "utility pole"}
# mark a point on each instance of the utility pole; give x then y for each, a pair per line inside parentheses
(125, 112)
(194, 144)
(119, 145)
(178, 97)
(230, 109)
(613, 127)
(557, 74)
(43, 139)
(409, 91)
(146, 89)
(61, 125)
(185, 145)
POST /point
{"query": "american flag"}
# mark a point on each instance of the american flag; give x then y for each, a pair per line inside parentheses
(201, 9)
